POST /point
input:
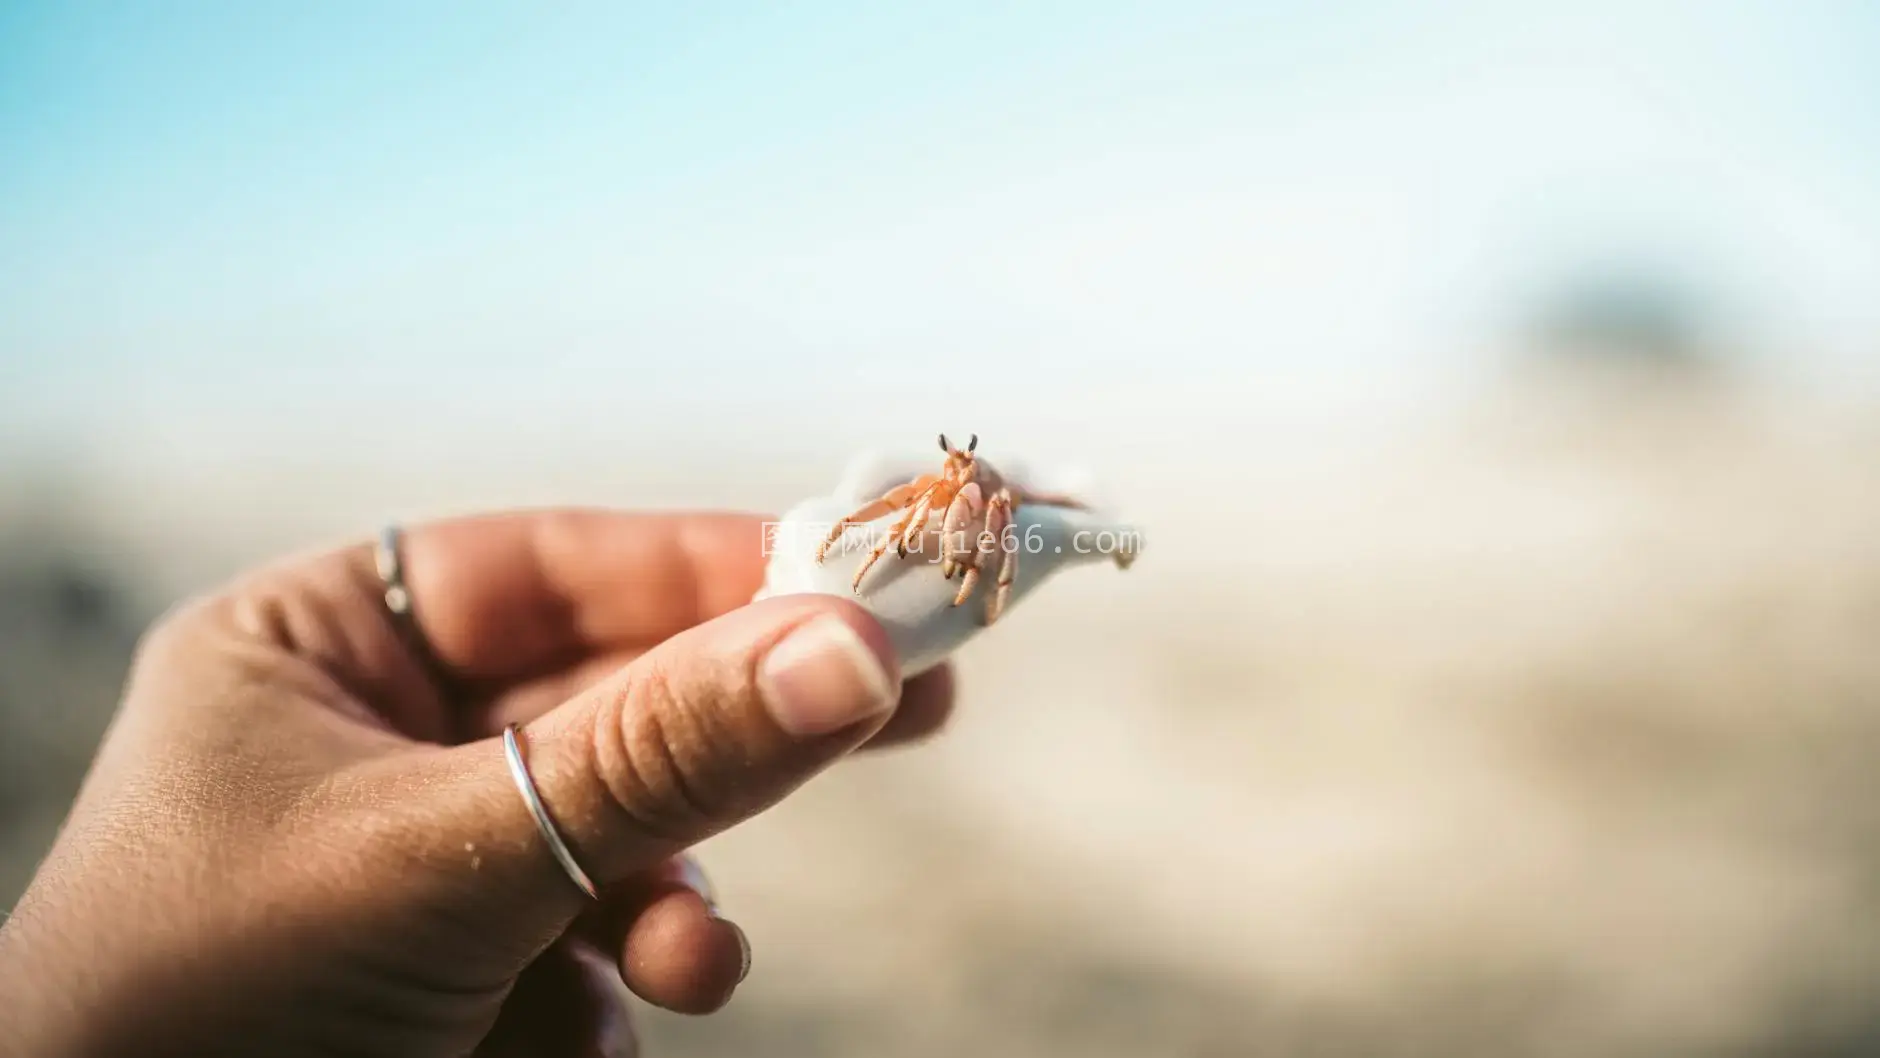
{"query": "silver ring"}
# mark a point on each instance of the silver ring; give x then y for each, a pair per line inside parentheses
(519, 771)
(391, 568)
(389, 558)
(392, 571)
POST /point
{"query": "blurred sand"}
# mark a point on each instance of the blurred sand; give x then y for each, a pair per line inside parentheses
(1545, 729)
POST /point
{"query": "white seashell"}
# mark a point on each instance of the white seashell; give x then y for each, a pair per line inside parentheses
(910, 598)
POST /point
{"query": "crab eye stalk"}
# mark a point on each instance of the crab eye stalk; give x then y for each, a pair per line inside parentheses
(943, 444)
(973, 443)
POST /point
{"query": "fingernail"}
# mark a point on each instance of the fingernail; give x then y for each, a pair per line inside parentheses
(823, 677)
(744, 952)
(692, 876)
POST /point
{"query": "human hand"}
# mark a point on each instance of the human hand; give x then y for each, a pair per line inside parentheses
(295, 840)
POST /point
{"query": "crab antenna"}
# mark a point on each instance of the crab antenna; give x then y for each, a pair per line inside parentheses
(944, 447)
(972, 444)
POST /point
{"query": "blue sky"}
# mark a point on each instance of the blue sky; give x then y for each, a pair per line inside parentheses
(224, 218)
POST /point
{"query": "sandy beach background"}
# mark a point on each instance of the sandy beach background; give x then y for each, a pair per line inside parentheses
(1542, 726)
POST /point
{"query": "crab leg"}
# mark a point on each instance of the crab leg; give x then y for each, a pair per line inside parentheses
(998, 519)
(916, 522)
(970, 564)
(965, 509)
(991, 529)
(892, 500)
(991, 542)
(1051, 499)
(900, 531)
(970, 578)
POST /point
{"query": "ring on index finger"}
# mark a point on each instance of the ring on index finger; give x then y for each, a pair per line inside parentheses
(389, 557)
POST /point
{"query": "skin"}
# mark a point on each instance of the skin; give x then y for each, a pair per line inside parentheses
(296, 841)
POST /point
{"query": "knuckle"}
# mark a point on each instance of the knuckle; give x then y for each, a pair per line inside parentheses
(656, 751)
(176, 630)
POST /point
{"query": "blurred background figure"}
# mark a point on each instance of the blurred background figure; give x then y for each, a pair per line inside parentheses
(1496, 386)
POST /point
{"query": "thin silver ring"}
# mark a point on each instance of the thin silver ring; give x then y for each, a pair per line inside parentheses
(389, 557)
(512, 749)
(391, 567)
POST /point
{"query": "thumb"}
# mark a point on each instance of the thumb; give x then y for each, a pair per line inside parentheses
(704, 731)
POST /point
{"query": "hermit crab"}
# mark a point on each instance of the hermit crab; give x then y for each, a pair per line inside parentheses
(976, 505)
(959, 531)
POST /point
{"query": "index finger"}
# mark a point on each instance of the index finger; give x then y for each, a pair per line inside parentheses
(506, 596)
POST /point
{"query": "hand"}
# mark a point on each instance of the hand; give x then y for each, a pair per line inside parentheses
(296, 841)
